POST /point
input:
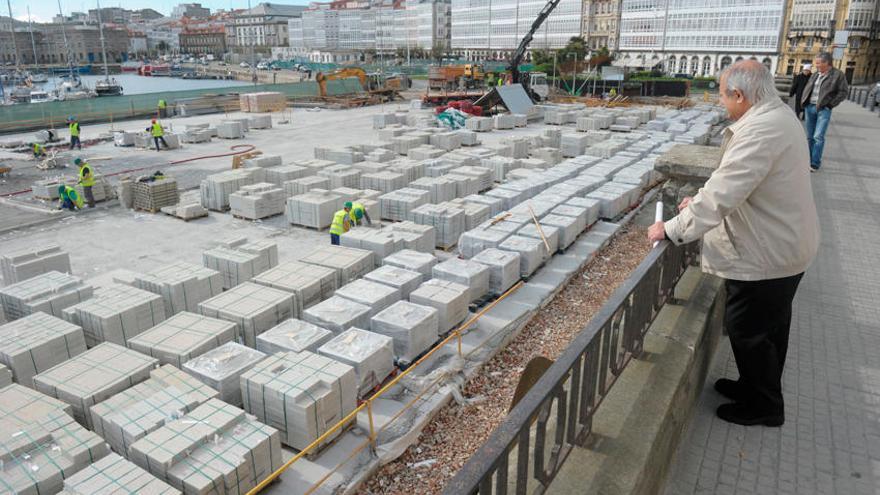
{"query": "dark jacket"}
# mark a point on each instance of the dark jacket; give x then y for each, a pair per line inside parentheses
(798, 84)
(833, 90)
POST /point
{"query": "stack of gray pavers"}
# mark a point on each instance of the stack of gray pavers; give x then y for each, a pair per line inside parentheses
(257, 201)
(239, 261)
(370, 354)
(293, 336)
(449, 298)
(414, 329)
(222, 367)
(5, 376)
(532, 252)
(142, 409)
(41, 443)
(405, 281)
(441, 188)
(37, 342)
(154, 194)
(313, 209)
(182, 285)
(50, 292)
(216, 448)
(303, 185)
(215, 189)
(415, 261)
(116, 313)
(478, 239)
(372, 294)
(468, 273)
(338, 314)
(448, 222)
(183, 337)
(93, 376)
(310, 284)
(284, 173)
(503, 269)
(474, 213)
(384, 181)
(21, 264)
(302, 395)
(415, 237)
(349, 263)
(113, 475)
(265, 161)
(399, 205)
(252, 307)
(342, 176)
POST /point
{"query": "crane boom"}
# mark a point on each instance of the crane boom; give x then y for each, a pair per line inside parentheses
(527, 39)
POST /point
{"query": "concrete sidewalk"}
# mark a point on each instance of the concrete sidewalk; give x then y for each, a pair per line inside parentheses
(830, 443)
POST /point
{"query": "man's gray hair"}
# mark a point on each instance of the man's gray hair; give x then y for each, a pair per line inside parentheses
(825, 57)
(752, 79)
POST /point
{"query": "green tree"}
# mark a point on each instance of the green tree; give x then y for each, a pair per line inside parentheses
(576, 48)
(437, 52)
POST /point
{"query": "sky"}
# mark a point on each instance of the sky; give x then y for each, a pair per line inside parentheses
(44, 10)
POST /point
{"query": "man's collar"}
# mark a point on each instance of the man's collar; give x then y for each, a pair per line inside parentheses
(760, 108)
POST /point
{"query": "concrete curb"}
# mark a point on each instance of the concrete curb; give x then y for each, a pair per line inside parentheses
(637, 429)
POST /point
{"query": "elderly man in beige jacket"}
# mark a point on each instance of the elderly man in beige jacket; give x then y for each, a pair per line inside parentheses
(760, 232)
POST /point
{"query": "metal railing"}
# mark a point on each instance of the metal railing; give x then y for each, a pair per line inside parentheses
(557, 413)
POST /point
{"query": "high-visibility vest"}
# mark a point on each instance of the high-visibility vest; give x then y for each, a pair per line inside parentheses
(70, 193)
(162, 104)
(157, 130)
(38, 149)
(355, 209)
(338, 226)
(86, 177)
(74, 129)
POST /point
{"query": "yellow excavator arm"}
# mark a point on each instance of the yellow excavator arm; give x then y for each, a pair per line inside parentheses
(346, 73)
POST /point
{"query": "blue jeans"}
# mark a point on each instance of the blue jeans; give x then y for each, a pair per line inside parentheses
(817, 124)
(334, 239)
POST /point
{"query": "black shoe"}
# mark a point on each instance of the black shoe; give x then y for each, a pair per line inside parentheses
(731, 389)
(741, 414)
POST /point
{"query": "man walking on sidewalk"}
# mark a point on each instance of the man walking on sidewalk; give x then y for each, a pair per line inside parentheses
(826, 89)
(760, 232)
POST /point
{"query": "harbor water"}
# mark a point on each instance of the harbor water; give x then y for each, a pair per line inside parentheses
(133, 84)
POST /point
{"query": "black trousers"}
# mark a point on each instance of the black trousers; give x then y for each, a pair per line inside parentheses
(758, 319)
(156, 140)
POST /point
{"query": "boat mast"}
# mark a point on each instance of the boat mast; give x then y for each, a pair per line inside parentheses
(12, 32)
(33, 43)
(64, 36)
(103, 47)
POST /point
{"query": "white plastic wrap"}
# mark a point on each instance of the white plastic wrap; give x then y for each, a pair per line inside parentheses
(503, 269)
(221, 368)
(413, 327)
(293, 336)
(371, 355)
(465, 272)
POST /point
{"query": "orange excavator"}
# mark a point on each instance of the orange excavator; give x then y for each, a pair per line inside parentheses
(388, 87)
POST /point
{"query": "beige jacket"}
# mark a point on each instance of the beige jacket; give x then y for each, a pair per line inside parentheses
(756, 212)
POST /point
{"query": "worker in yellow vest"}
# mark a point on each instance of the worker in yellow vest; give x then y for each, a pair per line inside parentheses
(68, 198)
(163, 109)
(341, 223)
(39, 150)
(359, 214)
(158, 133)
(86, 180)
(73, 127)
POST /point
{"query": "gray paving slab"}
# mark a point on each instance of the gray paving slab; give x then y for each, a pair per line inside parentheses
(830, 442)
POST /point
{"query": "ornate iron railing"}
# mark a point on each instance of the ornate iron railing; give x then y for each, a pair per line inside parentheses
(575, 384)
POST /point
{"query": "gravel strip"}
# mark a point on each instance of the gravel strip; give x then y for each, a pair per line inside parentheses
(458, 431)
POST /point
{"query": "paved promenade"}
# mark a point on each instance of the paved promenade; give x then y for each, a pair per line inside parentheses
(830, 443)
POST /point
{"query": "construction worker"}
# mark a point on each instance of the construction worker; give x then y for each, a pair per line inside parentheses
(612, 93)
(359, 214)
(341, 223)
(86, 180)
(163, 109)
(158, 133)
(500, 81)
(73, 126)
(68, 198)
(39, 150)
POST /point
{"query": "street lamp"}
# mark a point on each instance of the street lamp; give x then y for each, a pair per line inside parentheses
(574, 73)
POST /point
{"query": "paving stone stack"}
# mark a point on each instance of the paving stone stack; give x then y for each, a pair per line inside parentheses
(403, 280)
(230, 130)
(532, 252)
(222, 367)
(612, 200)
(338, 313)
(302, 395)
(36, 343)
(550, 233)
(342, 176)
(283, 173)
(450, 299)
(348, 263)
(479, 124)
(5, 376)
(399, 205)
(41, 443)
(182, 285)
(412, 327)
(93, 376)
(293, 336)
(310, 284)
(182, 337)
(216, 188)
(372, 294)
(474, 213)
(384, 181)
(113, 475)
(415, 237)
(496, 205)
(142, 409)
(50, 292)
(257, 201)
(473, 275)
(239, 261)
(416, 261)
(478, 239)
(21, 264)
(448, 222)
(465, 185)
(441, 188)
(503, 269)
(252, 307)
(152, 195)
(370, 354)
(313, 209)
(303, 185)
(116, 313)
(216, 448)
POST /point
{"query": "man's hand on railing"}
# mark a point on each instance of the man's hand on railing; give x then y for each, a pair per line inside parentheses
(685, 202)
(657, 232)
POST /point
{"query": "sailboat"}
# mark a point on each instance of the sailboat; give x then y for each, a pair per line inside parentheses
(71, 87)
(38, 77)
(106, 86)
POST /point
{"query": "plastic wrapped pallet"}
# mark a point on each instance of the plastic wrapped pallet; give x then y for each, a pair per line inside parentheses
(413, 328)
(134, 413)
(51, 292)
(182, 337)
(448, 222)
(21, 264)
(293, 336)
(473, 275)
(551, 234)
(253, 308)
(337, 314)
(182, 285)
(450, 299)
(446, 140)
(349, 263)
(416, 261)
(532, 252)
(611, 202)
(401, 279)
(257, 201)
(496, 205)
(568, 228)
(93, 376)
(113, 475)
(370, 354)
(503, 269)
(36, 343)
(474, 213)
(309, 283)
(260, 122)
(576, 212)
(221, 368)
(591, 206)
(468, 137)
(504, 121)
(216, 448)
(42, 445)
(372, 294)
(509, 197)
(116, 313)
(230, 130)
(478, 124)
(381, 243)
(302, 395)
(478, 239)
